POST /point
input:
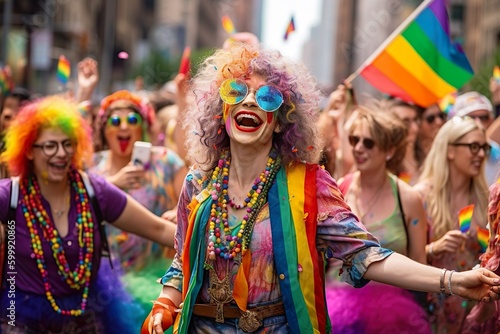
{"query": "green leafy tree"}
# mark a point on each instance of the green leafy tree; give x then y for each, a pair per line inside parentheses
(158, 68)
(480, 82)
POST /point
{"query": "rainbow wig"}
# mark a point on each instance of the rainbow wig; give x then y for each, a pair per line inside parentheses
(207, 137)
(47, 113)
(139, 104)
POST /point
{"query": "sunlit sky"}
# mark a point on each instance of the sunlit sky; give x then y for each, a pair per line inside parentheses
(277, 14)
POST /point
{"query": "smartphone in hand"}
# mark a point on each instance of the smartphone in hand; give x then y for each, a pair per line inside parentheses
(141, 153)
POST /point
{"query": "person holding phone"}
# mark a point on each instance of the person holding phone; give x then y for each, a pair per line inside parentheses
(258, 216)
(125, 119)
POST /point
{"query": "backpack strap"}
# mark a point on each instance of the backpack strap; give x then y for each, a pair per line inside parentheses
(14, 194)
(100, 220)
(11, 216)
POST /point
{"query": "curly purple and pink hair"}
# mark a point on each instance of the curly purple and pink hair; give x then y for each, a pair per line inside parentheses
(207, 137)
(47, 113)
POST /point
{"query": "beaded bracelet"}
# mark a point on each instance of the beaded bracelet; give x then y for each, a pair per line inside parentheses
(441, 281)
(449, 283)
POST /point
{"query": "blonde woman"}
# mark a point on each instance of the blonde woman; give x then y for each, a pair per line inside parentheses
(452, 178)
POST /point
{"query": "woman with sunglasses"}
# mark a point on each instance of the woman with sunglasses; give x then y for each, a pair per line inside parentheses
(51, 216)
(432, 120)
(392, 211)
(409, 169)
(125, 118)
(257, 216)
(453, 178)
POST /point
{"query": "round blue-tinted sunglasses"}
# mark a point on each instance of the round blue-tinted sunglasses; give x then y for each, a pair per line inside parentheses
(233, 91)
(133, 119)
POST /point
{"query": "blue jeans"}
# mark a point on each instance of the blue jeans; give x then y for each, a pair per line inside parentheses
(277, 324)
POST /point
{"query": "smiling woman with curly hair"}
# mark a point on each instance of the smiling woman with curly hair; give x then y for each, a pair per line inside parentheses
(258, 216)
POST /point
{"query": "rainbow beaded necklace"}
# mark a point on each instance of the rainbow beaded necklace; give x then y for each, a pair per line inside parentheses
(227, 246)
(39, 223)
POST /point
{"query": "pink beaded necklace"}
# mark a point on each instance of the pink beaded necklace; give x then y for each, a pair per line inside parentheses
(41, 226)
(227, 246)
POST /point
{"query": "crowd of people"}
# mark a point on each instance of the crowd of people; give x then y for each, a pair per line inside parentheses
(256, 211)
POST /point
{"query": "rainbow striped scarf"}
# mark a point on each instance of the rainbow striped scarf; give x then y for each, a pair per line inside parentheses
(293, 211)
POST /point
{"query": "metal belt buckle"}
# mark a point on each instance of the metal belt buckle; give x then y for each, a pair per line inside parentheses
(249, 322)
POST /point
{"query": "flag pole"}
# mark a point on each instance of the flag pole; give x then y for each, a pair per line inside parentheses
(389, 39)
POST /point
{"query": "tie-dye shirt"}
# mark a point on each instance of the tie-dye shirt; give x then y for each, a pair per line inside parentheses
(339, 235)
(157, 194)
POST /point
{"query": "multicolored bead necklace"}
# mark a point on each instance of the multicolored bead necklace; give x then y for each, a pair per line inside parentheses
(39, 223)
(252, 195)
(229, 245)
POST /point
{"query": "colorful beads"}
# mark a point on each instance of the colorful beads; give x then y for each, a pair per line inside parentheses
(38, 221)
(238, 241)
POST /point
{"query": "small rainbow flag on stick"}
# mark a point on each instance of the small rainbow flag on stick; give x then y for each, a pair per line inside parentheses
(289, 29)
(483, 237)
(6, 82)
(465, 217)
(228, 25)
(496, 73)
(63, 70)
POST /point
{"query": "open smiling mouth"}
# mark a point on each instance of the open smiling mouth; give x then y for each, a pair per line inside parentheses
(60, 165)
(124, 142)
(248, 121)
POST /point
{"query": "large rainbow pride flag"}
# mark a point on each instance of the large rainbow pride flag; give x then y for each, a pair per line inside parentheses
(419, 63)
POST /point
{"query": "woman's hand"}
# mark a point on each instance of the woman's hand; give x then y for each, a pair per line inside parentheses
(170, 215)
(477, 284)
(88, 78)
(129, 177)
(451, 242)
(160, 318)
(337, 103)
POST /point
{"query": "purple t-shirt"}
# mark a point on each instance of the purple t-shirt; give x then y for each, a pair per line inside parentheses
(111, 203)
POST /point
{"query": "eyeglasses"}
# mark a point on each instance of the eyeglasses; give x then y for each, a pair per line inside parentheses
(368, 143)
(51, 147)
(233, 91)
(475, 147)
(431, 118)
(133, 119)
